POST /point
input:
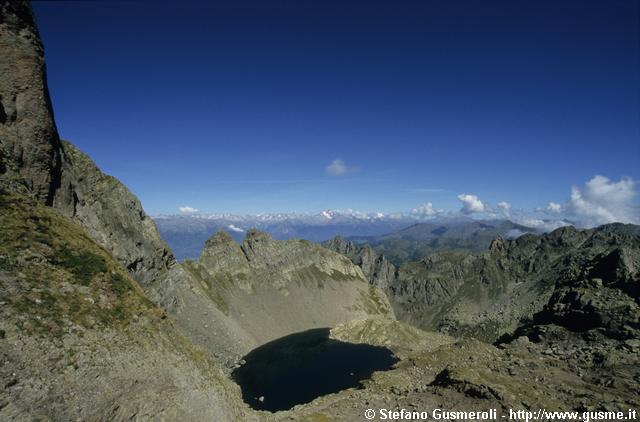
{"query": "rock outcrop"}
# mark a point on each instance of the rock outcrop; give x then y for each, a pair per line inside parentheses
(30, 151)
(375, 267)
(597, 292)
(112, 216)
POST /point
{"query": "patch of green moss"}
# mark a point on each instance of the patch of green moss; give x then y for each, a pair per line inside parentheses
(115, 314)
(5, 263)
(82, 264)
(3, 201)
(120, 285)
(41, 232)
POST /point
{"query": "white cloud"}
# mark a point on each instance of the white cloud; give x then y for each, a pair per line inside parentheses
(234, 228)
(425, 210)
(602, 201)
(504, 205)
(188, 210)
(539, 224)
(471, 204)
(514, 234)
(338, 168)
(554, 207)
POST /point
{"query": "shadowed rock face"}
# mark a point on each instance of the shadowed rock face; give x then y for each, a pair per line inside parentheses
(113, 216)
(602, 294)
(30, 154)
(375, 267)
(34, 161)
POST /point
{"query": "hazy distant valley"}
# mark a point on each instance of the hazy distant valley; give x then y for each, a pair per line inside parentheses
(400, 237)
(186, 234)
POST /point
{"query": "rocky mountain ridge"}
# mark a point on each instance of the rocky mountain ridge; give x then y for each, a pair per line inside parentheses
(489, 295)
(288, 285)
(400, 236)
(412, 243)
(186, 234)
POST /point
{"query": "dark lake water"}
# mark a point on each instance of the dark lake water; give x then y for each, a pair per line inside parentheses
(300, 367)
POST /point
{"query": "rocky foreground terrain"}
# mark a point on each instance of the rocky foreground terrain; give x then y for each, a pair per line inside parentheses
(99, 322)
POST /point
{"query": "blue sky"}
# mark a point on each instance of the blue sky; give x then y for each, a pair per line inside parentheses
(241, 106)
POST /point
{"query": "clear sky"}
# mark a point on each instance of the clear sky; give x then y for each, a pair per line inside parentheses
(246, 106)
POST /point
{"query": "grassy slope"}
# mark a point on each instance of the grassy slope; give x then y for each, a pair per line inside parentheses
(78, 339)
(55, 275)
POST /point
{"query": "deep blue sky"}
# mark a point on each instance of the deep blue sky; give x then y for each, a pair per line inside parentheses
(240, 106)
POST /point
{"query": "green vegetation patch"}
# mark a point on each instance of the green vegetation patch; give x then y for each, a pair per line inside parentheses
(3, 198)
(5, 263)
(57, 277)
(82, 264)
(120, 285)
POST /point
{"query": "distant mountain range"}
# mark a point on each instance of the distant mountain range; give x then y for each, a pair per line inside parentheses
(401, 237)
(186, 234)
(418, 240)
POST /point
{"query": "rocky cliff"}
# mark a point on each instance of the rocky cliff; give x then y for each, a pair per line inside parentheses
(375, 267)
(112, 216)
(35, 162)
(30, 151)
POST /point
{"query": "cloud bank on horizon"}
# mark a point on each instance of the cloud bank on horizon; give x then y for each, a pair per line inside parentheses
(600, 201)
